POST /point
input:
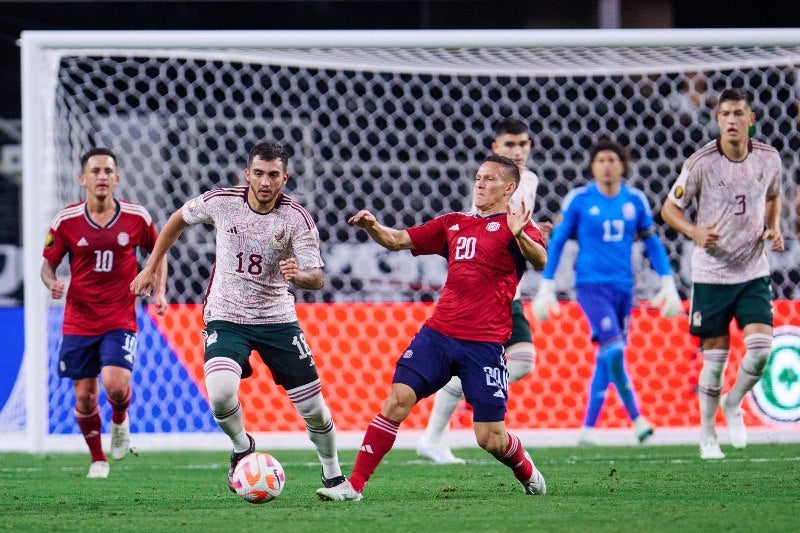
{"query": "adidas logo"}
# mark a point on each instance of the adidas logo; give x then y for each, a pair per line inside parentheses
(454, 227)
(83, 242)
(499, 394)
(366, 448)
(232, 230)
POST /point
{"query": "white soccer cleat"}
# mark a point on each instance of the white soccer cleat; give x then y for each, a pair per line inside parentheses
(642, 428)
(588, 438)
(709, 448)
(98, 470)
(737, 431)
(121, 438)
(536, 485)
(439, 454)
(343, 492)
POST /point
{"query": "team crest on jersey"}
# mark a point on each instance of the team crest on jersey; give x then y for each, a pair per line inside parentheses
(123, 239)
(210, 339)
(678, 192)
(697, 319)
(594, 210)
(408, 354)
(49, 240)
(628, 211)
(492, 226)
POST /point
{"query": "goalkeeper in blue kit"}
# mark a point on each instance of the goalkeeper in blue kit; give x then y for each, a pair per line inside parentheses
(605, 218)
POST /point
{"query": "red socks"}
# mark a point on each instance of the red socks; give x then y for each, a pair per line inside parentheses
(120, 409)
(514, 458)
(377, 442)
(90, 425)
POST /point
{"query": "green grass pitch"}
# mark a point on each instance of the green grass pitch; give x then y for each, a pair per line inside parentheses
(650, 488)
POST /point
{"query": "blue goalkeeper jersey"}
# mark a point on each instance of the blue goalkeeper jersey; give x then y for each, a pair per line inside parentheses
(605, 229)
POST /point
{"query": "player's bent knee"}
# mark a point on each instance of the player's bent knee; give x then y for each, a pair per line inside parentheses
(491, 436)
(399, 403)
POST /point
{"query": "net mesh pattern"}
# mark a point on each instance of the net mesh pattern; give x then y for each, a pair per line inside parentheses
(401, 132)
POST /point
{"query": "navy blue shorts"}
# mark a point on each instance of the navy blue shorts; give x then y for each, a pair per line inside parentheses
(608, 310)
(433, 358)
(83, 356)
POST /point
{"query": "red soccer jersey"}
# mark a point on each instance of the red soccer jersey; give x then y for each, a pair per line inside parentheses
(102, 262)
(484, 266)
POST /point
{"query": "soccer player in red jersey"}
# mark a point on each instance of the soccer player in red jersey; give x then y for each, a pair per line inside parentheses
(100, 235)
(486, 254)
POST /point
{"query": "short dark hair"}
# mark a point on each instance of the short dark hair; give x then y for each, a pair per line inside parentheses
(608, 144)
(509, 167)
(510, 126)
(736, 94)
(269, 151)
(97, 150)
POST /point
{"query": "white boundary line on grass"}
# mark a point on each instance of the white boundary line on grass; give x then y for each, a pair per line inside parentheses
(351, 440)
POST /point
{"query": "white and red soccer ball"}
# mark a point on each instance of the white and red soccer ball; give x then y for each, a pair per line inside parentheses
(258, 478)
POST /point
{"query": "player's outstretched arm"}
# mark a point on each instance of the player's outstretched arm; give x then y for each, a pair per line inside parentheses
(160, 296)
(533, 252)
(389, 238)
(146, 282)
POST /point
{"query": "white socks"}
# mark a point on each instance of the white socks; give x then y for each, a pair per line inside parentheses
(222, 383)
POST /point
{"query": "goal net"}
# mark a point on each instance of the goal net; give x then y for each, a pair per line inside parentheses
(396, 122)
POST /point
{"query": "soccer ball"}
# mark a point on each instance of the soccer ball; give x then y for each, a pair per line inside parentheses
(258, 478)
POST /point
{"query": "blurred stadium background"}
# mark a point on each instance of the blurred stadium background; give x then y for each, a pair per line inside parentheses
(401, 133)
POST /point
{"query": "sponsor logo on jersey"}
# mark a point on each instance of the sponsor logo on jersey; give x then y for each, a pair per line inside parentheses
(49, 240)
(777, 394)
(499, 394)
(454, 227)
(83, 242)
(492, 226)
(123, 239)
(232, 230)
(594, 210)
(721, 184)
(678, 192)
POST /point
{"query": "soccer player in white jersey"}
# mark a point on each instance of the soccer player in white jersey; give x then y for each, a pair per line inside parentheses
(512, 140)
(265, 240)
(735, 182)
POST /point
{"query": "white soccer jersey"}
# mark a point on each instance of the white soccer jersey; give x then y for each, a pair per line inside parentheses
(246, 286)
(526, 190)
(731, 194)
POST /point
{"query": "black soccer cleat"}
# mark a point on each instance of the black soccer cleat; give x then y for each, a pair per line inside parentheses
(332, 482)
(238, 456)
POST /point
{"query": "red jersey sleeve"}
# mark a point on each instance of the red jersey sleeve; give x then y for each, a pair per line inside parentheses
(430, 238)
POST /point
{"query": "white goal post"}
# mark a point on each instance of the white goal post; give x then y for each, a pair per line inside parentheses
(395, 119)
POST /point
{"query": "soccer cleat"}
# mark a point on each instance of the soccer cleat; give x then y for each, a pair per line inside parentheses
(536, 485)
(737, 431)
(439, 454)
(342, 492)
(709, 448)
(588, 438)
(238, 456)
(121, 438)
(642, 428)
(98, 470)
(332, 482)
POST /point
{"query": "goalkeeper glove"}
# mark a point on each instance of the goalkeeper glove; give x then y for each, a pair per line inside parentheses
(545, 301)
(667, 298)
